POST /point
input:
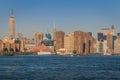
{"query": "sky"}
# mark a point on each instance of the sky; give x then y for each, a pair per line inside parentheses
(67, 15)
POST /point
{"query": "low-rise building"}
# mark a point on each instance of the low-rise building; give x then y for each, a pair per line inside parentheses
(15, 44)
(41, 48)
(29, 43)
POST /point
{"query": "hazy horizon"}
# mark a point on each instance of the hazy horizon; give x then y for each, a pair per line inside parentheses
(68, 15)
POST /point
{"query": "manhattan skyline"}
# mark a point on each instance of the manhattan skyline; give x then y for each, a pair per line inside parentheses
(39, 16)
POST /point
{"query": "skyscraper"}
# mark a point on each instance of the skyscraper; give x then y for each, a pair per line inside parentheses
(1, 46)
(117, 45)
(69, 43)
(107, 31)
(83, 43)
(59, 35)
(106, 37)
(12, 26)
(38, 38)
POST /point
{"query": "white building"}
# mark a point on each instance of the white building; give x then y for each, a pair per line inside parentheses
(69, 43)
(105, 40)
(102, 47)
(107, 31)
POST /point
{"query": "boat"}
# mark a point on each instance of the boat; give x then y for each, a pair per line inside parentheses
(107, 54)
(43, 53)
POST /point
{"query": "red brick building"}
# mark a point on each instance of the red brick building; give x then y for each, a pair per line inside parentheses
(1, 43)
(83, 43)
(59, 35)
(59, 38)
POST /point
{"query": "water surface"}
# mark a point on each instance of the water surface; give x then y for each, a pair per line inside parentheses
(33, 67)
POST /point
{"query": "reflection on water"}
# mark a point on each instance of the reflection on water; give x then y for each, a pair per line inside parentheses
(60, 67)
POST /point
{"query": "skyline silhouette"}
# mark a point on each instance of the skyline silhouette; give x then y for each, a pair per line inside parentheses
(34, 16)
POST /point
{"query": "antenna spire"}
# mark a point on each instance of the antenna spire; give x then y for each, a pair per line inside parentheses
(54, 26)
(12, 14)
(54, 30)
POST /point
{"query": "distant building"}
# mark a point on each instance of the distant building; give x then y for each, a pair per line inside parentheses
(41, 48)
(101, 47)
(29, 43)
(101, 37)
(14, 44)
(48, 36)
(83, 43)
(106, 39)
(10, 42)
(20, 36)
(38, 36)
(107, 31)
(69, 43)
(59, 35)
(117, 45)
(48, 42)
(95, 46)
(12, 26)
(1, 46)
(110, 44)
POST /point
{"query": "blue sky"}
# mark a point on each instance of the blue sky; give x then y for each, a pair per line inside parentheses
(68, 15)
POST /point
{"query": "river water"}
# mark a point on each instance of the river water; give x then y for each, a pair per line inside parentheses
(51, 67)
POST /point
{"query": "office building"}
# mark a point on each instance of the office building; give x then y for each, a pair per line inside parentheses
(69, 43)
(106, 39)
(107, 31)
(83, 43)
(38, 36)
(117, 45)
(12, 26)
(59, 41)
(1, 45)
